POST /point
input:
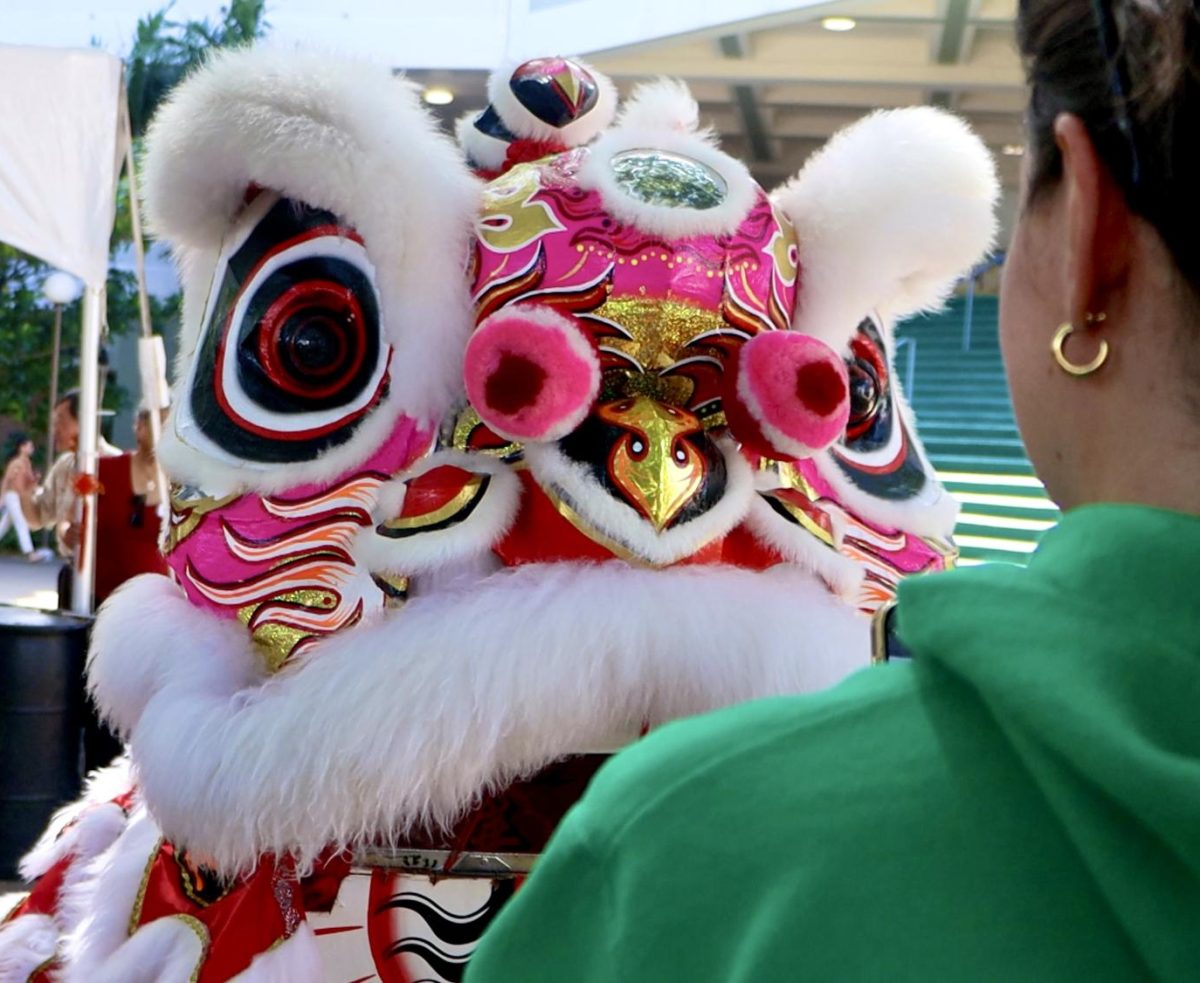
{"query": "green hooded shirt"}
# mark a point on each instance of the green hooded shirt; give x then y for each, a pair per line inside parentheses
(1021, 801)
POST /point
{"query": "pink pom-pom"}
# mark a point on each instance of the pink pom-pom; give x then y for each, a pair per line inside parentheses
(787, 395)
(531, 373)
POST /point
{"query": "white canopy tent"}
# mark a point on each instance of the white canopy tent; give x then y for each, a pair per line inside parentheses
(64, 137)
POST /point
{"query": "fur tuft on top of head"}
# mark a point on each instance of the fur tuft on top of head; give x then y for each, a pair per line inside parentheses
(888, 214)
(337, 134)
(525, 125)
(664, 104)
(662, 116)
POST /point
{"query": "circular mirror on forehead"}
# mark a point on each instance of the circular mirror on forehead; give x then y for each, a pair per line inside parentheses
(659, 177)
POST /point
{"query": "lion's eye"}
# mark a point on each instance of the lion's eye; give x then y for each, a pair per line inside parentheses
(293, 358)
(864, 396)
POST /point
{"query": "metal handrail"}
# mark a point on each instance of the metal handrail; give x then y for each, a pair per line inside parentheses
(980, 268)
(910, 365)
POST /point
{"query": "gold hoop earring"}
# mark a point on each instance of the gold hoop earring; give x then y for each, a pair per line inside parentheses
(1065, 330)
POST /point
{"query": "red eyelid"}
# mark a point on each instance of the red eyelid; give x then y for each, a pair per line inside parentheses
(863, 348)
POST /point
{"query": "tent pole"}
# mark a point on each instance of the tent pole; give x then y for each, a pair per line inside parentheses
(87, 452)
(149, 349)
(135, 217)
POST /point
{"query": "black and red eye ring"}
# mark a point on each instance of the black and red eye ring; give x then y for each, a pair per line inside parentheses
(334, 307)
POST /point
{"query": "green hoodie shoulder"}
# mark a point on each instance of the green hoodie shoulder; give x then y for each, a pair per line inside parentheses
(1021, 802)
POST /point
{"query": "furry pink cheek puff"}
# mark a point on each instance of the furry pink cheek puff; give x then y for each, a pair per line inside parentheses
(531, 373)
(787, 395)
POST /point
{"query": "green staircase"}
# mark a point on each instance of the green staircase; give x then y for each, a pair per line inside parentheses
(966, 423)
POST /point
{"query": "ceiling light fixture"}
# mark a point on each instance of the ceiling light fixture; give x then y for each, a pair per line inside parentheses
(437, 95)
(1013, 150)
(839, 23)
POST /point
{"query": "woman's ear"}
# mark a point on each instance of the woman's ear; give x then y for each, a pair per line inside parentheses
(1097, 223)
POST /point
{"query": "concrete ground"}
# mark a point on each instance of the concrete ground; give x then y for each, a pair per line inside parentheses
(31, 585)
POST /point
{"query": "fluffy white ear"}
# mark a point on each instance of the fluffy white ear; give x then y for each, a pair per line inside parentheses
(888, 214)
(341, 135)
(522, 123)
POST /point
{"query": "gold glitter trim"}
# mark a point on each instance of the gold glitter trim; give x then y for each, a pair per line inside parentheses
(879, 633)
(803, 519)
(468, 420)
(201, 933)
(794, 480)
(510, 219)
(654, 466)
(619, 550)
(186, 515)
(136, 914)
(470, 491)
(659, 330)
(278, 641)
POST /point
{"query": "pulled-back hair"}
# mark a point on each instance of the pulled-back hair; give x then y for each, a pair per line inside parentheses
(1128, 69)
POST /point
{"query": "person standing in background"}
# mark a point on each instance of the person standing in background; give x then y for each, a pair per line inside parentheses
(127, 514)
(19, 478)
(53, 501)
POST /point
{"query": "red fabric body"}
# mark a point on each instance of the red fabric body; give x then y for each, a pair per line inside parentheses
(123, 549)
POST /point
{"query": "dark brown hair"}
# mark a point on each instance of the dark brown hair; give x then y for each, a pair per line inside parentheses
(1128, 69)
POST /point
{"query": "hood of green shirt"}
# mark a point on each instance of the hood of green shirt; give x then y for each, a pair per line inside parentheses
(1089, 663)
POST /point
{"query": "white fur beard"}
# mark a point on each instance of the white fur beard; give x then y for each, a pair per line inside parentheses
(406, 721)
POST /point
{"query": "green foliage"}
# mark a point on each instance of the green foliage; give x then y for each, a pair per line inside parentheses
(27, 330)
(164, 51)
(162, 54)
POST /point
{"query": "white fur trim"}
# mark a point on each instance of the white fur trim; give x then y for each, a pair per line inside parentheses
(9, 901)
(664, 104)
(295, 960)
(522, 123)
(97, 822)
(485, 152)
(839, 573)
(25, 944)
(933, 512)
(166, 949)
(342, 135)
(625, 526)
(430, 552)
(888, 214)
(647, 128)
(147, 631)
(411, 717)
(99, 906)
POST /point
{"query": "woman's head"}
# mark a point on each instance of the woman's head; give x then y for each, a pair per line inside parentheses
(1108, 226)
(19, 445)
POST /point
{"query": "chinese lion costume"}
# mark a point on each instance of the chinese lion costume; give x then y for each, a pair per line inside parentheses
(484, 461)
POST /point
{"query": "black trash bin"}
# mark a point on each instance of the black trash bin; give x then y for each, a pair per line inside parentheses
(41, 722)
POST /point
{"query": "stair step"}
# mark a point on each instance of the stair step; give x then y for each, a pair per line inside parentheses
(1004, 526)
(974, 462)
(958, 424)
(934, 442)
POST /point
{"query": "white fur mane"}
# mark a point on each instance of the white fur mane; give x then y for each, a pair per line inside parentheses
(406, 720)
